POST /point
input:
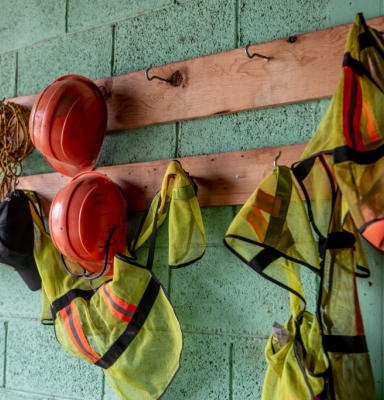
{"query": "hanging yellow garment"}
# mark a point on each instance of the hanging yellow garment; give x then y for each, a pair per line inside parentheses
(186, 234)
(351, 135)
(272, 235)
(126, 325)
(342, 172)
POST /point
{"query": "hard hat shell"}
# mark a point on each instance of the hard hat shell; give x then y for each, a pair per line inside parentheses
(81, 219)
(68, 123)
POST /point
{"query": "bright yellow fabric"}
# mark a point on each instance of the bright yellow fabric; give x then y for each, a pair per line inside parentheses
(147, 366)
(272, 235)
(177, 197)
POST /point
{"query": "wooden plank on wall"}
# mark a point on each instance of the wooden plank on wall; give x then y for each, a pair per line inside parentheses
(223, 179)
(228, 82)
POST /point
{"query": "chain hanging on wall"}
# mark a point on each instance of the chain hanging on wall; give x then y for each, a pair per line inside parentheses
(15, 144)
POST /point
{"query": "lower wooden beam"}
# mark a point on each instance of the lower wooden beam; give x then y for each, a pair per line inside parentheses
(223, 179)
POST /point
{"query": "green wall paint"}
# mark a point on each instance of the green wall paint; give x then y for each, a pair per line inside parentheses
(225, 309)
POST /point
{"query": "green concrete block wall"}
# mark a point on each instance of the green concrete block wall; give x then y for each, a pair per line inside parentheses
(225, 309)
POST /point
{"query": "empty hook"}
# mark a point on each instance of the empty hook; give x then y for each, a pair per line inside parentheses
(255, 54)
(276, 158)
(176, 78)
(154, 76)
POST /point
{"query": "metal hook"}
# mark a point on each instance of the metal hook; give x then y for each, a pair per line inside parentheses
(154, 76)
(255, 54)
(276, 158)
(14, 185)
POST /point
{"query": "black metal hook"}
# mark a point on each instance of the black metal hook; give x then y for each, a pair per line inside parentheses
(255, 54)
(154, 76)
(176, 78)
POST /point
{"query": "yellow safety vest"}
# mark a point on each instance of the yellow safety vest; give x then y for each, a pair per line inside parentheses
(126, 325)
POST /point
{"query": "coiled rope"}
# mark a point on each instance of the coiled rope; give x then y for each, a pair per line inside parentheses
(15, 144)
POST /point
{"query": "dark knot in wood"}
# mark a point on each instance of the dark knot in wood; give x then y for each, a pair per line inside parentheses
(292, 39)
(176, 78)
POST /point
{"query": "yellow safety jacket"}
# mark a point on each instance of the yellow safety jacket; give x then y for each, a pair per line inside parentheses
(125, 325)
(350, 137)
(272, 235)
(341, 173)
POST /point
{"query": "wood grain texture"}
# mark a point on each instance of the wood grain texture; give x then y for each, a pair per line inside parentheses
(223, 179)
(228, 82)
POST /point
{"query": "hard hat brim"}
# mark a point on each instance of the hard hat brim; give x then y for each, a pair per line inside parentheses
(68, 169)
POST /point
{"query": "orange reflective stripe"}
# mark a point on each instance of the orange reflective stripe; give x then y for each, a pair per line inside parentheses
(268, 203)
(371, 128)
(352, 109)
(254, 216)
(75, 332)
(119, 308)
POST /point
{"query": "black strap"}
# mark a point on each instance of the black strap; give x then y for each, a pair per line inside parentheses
(340, 240)
(345, 344)
(346, 153)
(134, 326)
(68, 297)
(358, 68)
(264, 258)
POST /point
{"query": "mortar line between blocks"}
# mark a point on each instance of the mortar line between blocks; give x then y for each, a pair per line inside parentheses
(5, 353)
(237, 24)
(169, 282)
(103, 387)
(16, 73)
(113, 50)
(66, 15)
(231, 371)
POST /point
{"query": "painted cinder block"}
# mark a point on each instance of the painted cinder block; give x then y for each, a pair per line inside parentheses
(249, 367)
(3, 333)
(18, 395)
(343, 12)
(221, 294)
(276, 126)
(8, 74)
(37, 363)
(36, 164)
(204, 371)
(85, 53)
(262, 22)
(138, 145)
(24, 22)
(176, 33)
(16, 300)
(86, 13)
(370, 295)
(216, 223)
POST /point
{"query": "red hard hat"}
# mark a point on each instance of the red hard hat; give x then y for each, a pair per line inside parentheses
(87, 220)
(68, 123)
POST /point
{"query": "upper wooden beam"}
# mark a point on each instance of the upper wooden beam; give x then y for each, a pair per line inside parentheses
(223, 179)
(303, 69)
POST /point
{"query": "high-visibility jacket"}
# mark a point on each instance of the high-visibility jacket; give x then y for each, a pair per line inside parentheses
(341, 173)
(350, 137)
(125, 325)
(272, 235)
